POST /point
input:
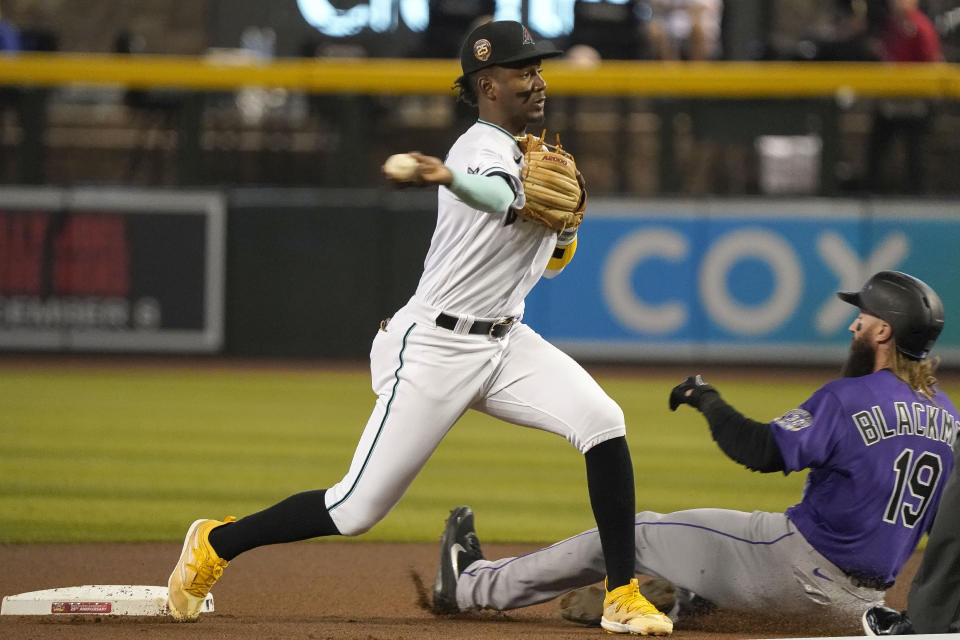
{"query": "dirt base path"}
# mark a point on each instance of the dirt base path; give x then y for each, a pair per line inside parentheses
(316, 591)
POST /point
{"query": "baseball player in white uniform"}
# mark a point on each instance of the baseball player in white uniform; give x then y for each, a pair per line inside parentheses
(459, 344)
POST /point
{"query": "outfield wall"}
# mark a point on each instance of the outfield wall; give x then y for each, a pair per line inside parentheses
(310, 273)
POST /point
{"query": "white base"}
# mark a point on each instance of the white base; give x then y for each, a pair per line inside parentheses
(93, 599)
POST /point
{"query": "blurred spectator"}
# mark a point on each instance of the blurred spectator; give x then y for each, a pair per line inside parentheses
(686, 29)
(906, 36)
(9, 35)
(583, 56)
(945, 15)
(259, 42)
(851, 36)
(909, 35)
(616, 31)
(127, 42)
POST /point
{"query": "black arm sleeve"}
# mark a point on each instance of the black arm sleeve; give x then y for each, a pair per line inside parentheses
(746, 441)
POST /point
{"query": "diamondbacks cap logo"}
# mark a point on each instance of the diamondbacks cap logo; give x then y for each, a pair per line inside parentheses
(482, 50)
(527, 38)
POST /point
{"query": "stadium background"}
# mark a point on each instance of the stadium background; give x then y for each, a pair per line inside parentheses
(196, 247)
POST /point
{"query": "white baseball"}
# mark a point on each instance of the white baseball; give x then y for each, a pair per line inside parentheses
(401, 167)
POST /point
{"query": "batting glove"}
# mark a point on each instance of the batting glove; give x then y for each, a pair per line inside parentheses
(689, 392)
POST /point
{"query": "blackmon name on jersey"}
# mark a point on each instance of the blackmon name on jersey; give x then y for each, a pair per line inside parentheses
(916, 419)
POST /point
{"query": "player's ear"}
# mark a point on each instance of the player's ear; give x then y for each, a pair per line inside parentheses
(883, 332)
(486, 86)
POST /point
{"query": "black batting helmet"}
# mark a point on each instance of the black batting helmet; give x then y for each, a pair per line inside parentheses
(907, 304)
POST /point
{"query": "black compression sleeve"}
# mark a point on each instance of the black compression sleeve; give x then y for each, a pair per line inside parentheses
(746, 441)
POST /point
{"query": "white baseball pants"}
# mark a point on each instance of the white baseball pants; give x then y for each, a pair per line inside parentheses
(426, 377)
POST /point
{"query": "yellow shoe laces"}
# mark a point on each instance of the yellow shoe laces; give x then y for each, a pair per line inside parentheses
(209, 567)
(632, 600)
(208, 571)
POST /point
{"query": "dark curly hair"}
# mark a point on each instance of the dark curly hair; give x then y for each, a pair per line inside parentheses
(466, 86)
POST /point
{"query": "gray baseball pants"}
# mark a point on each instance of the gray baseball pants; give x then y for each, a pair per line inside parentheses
(737, 560)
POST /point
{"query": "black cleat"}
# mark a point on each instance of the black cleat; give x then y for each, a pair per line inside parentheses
(884, 621)
(459, 548)
(690, 605)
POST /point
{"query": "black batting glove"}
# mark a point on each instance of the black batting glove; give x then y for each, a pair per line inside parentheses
(690, 391)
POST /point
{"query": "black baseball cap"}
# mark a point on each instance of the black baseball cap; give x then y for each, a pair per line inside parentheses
(499, 43)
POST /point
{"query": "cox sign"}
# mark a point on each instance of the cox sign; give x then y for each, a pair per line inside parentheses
(716, 284)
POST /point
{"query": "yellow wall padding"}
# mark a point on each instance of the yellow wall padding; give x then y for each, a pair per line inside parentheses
(399, 76)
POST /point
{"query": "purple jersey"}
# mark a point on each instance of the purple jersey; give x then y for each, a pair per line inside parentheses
(879, 455)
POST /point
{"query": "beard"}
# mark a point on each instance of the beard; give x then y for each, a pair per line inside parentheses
(860, 360)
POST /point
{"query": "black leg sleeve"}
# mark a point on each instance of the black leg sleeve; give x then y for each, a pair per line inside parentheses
(610, 482)
(299, 517)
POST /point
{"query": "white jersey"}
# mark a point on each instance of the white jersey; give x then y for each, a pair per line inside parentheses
(427, 375)
(484, 264)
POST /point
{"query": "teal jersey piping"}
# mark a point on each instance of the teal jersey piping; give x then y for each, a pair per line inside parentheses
(498, 128)
(383, 422)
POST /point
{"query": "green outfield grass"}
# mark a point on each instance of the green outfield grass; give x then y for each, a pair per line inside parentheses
(133, 454)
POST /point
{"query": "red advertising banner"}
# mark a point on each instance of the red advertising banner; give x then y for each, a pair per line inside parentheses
(114, 270)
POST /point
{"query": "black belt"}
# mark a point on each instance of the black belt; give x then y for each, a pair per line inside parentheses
(494, 329)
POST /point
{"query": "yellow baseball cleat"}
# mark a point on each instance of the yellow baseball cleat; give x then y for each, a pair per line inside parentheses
(197, 569)
(625, 610)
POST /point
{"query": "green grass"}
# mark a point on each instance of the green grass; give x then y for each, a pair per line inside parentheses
(137, 454)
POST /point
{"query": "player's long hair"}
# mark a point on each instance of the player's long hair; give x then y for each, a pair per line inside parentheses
(917, 373)
(466, 87)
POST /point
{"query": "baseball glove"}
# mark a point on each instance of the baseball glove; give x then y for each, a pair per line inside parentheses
(555, 190)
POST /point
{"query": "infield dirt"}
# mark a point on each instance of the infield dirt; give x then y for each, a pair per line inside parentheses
(320, 590)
